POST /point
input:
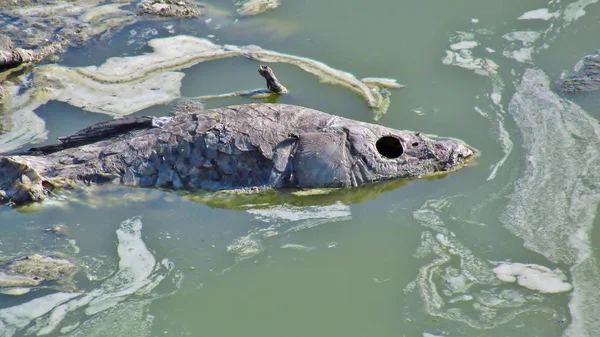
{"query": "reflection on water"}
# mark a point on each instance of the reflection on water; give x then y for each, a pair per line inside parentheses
(501, 248)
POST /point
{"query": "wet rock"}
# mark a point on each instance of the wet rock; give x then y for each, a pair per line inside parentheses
(35, 24)
(254, 7)
(171, 8)
(34, 270)
(587, 77)
(12, 57)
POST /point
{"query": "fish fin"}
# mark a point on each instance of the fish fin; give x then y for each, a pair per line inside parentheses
(98, 132)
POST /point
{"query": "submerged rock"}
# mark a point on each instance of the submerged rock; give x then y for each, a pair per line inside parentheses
(12, 57)
(587, 77)
(35, 270)
(171, 8)
(254, 7)
(15, 291)
(33, 24)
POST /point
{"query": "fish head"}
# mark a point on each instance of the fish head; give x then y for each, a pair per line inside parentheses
(354, 153)
(379, 153)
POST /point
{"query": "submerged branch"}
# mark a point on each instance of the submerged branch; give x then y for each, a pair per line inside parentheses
(274, 87)
(272, 83)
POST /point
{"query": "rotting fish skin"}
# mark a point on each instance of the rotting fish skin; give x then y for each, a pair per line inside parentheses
(237, 147)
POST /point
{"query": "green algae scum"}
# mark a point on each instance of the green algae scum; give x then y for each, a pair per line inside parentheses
(505, 246)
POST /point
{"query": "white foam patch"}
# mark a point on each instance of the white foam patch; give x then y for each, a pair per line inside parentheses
(138, 274)
(555, 202)
(464, 45)
(522, 55)
(576, 9)
(534, 277)
(526, 37)
(520, 49)
(539, 14)
(334, 212)
(17, 317)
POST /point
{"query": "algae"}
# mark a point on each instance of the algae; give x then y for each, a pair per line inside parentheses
(125, 85)
(35, 270)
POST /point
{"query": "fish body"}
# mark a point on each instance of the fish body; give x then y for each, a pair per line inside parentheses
(237, 147)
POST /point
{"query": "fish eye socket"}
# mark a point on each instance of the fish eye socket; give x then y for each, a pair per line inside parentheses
(389, 147)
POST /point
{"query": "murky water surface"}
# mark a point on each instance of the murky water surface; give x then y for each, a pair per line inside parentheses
(505, 247)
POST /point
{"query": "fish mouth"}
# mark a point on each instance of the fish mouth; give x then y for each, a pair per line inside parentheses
(453, 154)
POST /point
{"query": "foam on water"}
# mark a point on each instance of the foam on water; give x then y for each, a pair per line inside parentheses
(445, 288)
(520, 48)
(287, 219)
(553, 206)
(576, 9)
(461, 55)
(539, 14)
(555, 202)
(119, 304)
(279, 213)
(533, 276)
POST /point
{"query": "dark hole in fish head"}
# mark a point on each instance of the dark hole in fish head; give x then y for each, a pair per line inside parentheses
(389, 147)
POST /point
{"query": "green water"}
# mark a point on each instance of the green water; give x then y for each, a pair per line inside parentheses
(410, 259)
